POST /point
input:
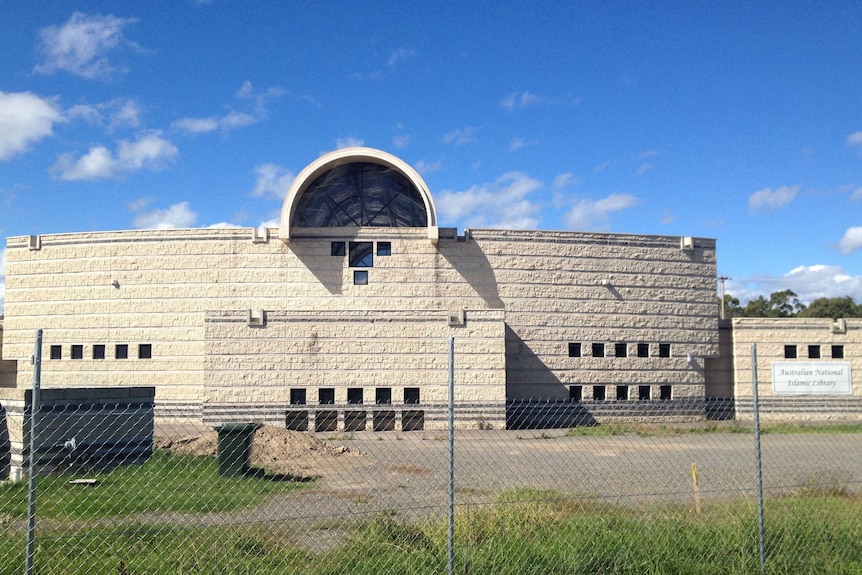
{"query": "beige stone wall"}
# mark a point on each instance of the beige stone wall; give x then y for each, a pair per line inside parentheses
(341, 349)
(8, 369)
(770, 336)
(560, 287)
(157, 287)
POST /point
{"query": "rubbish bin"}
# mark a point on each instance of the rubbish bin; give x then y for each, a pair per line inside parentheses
(234, 443)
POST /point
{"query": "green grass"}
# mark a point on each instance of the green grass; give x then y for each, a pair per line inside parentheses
(525, 532)
(166, 483)
(653, 430)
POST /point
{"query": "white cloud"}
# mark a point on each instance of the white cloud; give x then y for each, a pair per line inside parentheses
(501, 204)
(851, 241)
(400, 142)
(516, 101)
(461, 136)
(604, 166)
(521, 143)
(589, 214)
(854, 139)
(399, 57)
(424, 167)
(150, 152)
(24, 120)
(81, 45)
(856, 195)
(807, 282)
(202, 125)
(259, 100)
(348, 142)
(116, 114)
(768, 199)
(273, 182)
(176, 216)
(643, 168)
(564, 180)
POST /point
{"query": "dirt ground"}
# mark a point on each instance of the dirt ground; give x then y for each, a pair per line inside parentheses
(275, 449)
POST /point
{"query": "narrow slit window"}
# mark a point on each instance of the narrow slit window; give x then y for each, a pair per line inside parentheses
(644, 393)
(383, 396)
(598, 350)
(337, 249)
(664, 392)
(354, 395)
(360, 278)
(576, 393)
(599, 392)
(326, 396)
(56, 352)
(622, 393)
(837, 352)
(384, 248)
(77, 351)
(99, 351)
(814, 351)
(789, 352)
(574, 349)
(121, 351)
(411, 395)
(621, 349)
(643, 350)
(297, 396)
(664, 350)
(145, 351)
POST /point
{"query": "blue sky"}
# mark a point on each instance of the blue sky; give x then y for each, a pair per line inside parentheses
(730, 120)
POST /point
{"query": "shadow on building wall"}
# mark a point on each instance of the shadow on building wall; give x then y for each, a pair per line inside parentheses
(467, 258)
(328, 271)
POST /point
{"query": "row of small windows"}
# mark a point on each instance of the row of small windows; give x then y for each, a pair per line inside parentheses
(814, 352)
(355, 396)
(624, 392)
(621, 349)
(99, 351)
(360, 255)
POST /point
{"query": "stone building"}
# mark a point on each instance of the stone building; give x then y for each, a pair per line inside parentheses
(342, 317)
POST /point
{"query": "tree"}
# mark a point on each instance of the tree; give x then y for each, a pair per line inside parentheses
(780, 304)
(731, 307)
(834, 308)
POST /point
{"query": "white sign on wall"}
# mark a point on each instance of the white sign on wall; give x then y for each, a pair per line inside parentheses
(811, 378)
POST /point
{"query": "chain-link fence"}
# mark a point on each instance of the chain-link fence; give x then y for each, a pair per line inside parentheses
(673, 494)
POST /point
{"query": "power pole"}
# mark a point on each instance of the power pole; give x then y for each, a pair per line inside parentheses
(722, 279)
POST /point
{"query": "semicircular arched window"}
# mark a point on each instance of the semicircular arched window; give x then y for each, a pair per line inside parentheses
(360, 194)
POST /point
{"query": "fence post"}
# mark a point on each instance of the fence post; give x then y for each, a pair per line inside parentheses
(31, 476)
(451, 537)
(758, 459)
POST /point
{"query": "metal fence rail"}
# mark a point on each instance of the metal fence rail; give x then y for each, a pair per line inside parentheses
(612, 498)
(112, 489)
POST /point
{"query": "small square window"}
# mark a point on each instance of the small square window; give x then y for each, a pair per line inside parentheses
(326, 396)
(621, 349)
(354, 395)
(297, 396)
(599, 392)
(384, 248)
(411, 395)
(814, 351)
(361, 254)
(145, 351)
(360, 278)
(383, 396)
(598, 350)
(664, 350)
(576, 393)
(643, 350)
(664, 392)
(77, 352)
(644, 392)
(837, 352)
(574, 350)
(622, 393)
(789, 352)
(121, 351)
(98, 351)
(336, 249)
(56, 352)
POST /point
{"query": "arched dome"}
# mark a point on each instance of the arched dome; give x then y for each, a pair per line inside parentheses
(358, 187)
